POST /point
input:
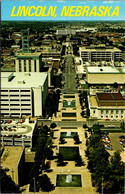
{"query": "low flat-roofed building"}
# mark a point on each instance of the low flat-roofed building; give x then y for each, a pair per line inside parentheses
(105, 75)
(13, 158)
(29, 62)
(23, 93)
(100, 53)
(51, 53)
(107, 105)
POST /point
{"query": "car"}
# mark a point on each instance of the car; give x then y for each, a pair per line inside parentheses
(107, 119)
(108, 147)
(10, 121)
(1, 121)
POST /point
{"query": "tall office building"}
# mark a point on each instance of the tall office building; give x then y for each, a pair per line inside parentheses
(25, 40)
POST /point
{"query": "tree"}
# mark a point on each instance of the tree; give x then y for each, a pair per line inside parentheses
(45, 183)
(62, 141)
(115, 85)
(49, 153)
(7, 184)
(53, 125)
(60, 159)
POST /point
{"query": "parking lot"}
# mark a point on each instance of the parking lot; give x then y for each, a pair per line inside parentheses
(17, 132)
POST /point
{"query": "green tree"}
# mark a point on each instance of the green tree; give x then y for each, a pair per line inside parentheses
(7, 184)
(45, 183)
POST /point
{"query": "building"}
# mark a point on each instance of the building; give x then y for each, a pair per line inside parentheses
(25, 41)
(107, 105)
(23, 93)
(100, 53)
(51, 53)
(66, 32)
(13, 158)
(17, 133)
(29, 62)
(105, 75)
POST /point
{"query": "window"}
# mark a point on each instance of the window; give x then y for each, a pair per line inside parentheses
(116, 116)
(116, 111)
(122, 111)
(19, 65)
(102, 116)
(25, 90)
(111, 111)
(29, 65)
(107, 111)
(93, 111)
(14, 99)
(35, 65)
(14, 90)
(25, 104)
(101, 111)
(24, 65)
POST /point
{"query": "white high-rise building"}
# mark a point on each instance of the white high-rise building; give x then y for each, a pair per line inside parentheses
(23, 93)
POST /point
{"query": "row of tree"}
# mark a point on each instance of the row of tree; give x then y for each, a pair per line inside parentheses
(43, 151)
(107, 173)
(83, 99)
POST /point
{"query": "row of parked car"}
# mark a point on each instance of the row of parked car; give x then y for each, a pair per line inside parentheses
(10, 121)
(106, 141)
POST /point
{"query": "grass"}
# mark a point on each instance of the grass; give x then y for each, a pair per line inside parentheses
(61, 181)
(70, 114)
(64, 134)
(69, 153)
(73, 104)
(69, 96)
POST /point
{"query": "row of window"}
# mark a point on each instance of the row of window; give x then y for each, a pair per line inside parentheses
(15, 95)
(112, 111)
(15, 90)
(102, 116)
(20, 67)
(16, 104)
(15, 100)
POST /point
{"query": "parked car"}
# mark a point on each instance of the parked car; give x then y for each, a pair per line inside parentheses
(10, 121)
(107, 119)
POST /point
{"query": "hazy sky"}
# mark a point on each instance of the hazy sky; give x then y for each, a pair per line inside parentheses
(6, 9)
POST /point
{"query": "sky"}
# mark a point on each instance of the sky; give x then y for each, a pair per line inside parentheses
(7, 5)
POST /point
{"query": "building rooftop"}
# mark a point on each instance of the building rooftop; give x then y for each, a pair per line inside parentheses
(22, 79)
(28, 55)
(99, 48)
(109, 96)
(10, 158)
(103, 70)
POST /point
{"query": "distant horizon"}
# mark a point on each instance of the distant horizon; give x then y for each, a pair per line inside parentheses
(63, 21)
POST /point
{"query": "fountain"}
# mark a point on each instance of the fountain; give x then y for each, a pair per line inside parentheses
(68, 178)
(69, 103)
(68, 133)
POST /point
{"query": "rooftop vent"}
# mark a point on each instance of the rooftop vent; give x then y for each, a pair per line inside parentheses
(21, 82)
(27, 74)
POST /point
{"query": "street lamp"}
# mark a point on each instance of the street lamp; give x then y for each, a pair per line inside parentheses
(34, 185)
(102, 184)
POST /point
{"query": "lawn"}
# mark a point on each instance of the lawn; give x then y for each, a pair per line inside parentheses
(70, 114)
(69, 96)
(69, 153)
(61, 181)
(69, 104)
(64, 134)
(84, 86)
